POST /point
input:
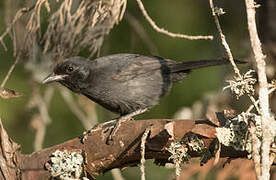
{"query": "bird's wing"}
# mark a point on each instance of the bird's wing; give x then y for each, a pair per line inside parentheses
(142, 66)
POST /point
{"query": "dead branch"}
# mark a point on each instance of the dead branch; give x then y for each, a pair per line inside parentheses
(216, 12)
(263, 91)
(124, 152)
(247, 85)
(166, 32)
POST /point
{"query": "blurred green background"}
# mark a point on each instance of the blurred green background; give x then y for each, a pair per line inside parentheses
(188, 17)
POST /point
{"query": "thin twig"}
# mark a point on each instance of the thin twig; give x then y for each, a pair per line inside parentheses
(42, 119)
(164, 31)
(40, 128)
(89, 108)
(255, 149)
(223, 39)
(257, 102)
(138, 28)
(227, 48)
(19, 13)
(116, 174)
(15, 62)
(263, 91)
(8, 30)
(143, 150)
(9, 72)
(67, 96)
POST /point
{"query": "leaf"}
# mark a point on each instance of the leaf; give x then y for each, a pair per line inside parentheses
(8, 93)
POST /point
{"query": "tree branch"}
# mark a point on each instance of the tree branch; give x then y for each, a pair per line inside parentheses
(263, 91)
(124, 152)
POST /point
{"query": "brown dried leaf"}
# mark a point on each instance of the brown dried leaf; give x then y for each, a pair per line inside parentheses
(212, 117)
(205, 130)
(170, 129)
(8, 93)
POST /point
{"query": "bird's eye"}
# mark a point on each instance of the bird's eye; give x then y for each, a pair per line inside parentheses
(70, 69)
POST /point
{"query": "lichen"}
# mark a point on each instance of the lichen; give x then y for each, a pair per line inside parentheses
(197, 145)
(236, 134)
(242, 84)
(179, 154)
(194, 143)
(66, 165)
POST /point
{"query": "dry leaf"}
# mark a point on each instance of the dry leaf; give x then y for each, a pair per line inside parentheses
(8, 93)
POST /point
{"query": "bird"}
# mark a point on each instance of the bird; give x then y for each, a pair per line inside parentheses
(126, 84)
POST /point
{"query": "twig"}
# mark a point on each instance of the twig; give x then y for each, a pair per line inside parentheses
(263, 91)
(143, 150)
(67, 96)
(257, 102)
(164, 31)
(42, 119)
(9, 72)
(34, 22)
(116, 174)
(19, 13)
(93, 20)
(255, 149)
(89, 108)
(223, 40)
(40, 128)
(16, 61)
(8, 29)
(138, 28)
(227, 48)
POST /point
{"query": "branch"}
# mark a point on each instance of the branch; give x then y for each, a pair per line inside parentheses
(124, 152)
(164, 31)
(263, 91)
(215, 13)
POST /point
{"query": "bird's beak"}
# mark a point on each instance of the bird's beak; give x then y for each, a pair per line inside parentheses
(54, 77)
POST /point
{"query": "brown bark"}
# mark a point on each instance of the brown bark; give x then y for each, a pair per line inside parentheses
(125, 150)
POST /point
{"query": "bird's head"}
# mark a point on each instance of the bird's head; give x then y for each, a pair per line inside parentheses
(70, 72)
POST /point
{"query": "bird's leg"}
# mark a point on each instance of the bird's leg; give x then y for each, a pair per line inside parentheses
(96, 128)
(121, 119)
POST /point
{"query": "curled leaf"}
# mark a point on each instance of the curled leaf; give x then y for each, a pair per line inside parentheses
(8, 93)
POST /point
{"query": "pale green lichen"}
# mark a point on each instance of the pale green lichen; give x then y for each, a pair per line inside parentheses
(197, 145)
(194, 143)
(236, 134)
(179, 154)
(66, 165)
(179, 150)
(219, 11)
(242, 84)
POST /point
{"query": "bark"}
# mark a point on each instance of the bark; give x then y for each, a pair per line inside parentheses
(125, 150)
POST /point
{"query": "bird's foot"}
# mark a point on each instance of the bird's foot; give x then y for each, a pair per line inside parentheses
(119, 121)
(97, 127)
(115, 128)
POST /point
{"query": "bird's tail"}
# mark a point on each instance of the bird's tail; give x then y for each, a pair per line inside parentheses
(188, 66)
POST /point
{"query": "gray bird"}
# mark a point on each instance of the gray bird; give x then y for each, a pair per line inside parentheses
(127, 84)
